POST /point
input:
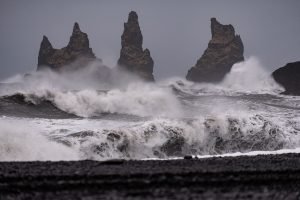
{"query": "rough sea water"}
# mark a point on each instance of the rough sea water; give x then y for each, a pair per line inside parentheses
(80, 115)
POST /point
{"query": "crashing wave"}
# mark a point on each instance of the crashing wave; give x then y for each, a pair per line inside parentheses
(136, 120)
(165, 138)
(22, 105)
(140, 100)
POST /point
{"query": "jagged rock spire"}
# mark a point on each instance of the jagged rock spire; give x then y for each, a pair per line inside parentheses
(76, 28)
(132, 34)
(78, 41)
(221, 33)
(223, 51)
(46, 43)
(77, 48)
(132, 56)
(45, 49)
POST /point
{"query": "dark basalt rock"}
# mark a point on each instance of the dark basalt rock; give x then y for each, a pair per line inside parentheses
(78, 50)
(289, 77)
(132, 56)
(223, 51)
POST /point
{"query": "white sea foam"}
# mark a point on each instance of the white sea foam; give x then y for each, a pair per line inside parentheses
(250, 76)
(237, 154)
(54, 139)
(245, 77)
(141, 100)
(20, 142)
(167, 119)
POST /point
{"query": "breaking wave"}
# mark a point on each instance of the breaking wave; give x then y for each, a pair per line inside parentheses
(62, 118)
(154, 138)
(145, 100)
(25, 143)
(164, 138)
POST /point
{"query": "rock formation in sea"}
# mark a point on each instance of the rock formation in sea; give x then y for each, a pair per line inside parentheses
(77, 51)
(132, 56)
(289, 77)
(223, 51)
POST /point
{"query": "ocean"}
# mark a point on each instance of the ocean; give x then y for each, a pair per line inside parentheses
(82, 115)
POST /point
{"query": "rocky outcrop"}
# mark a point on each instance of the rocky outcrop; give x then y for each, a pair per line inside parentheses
(224, 50)
(132, 56)
(77, 50)
(289, 77)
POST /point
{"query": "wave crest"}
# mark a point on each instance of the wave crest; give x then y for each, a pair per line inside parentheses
(145, 100)
(165, 138)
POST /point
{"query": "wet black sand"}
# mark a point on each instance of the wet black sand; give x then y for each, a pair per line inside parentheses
(256, 177)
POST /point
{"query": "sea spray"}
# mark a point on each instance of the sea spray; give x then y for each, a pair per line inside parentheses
(154, 138)
(60, 117)
(90, 77)
(140, 100)
(247, 77)
(20, 142)
(250, 76)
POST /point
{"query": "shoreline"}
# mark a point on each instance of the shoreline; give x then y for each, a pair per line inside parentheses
(241, 177)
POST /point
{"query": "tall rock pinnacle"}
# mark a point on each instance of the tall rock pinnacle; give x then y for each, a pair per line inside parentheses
(79, 41)
(132, 56)
(45, 49)
(223, 51)
(77, 49)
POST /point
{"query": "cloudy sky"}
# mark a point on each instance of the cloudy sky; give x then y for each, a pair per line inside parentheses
(175, 31)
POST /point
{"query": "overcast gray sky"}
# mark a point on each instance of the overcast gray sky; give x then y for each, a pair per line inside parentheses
(175, 31)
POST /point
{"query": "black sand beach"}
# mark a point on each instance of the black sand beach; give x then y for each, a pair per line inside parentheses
(252, 177)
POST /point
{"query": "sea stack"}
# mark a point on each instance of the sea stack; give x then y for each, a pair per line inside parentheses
(223, 51)
(132, 56)
(78, 49)
(289, 77)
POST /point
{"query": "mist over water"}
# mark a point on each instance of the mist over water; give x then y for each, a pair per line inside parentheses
(21, 142)
(102, 113)
(250, 76)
